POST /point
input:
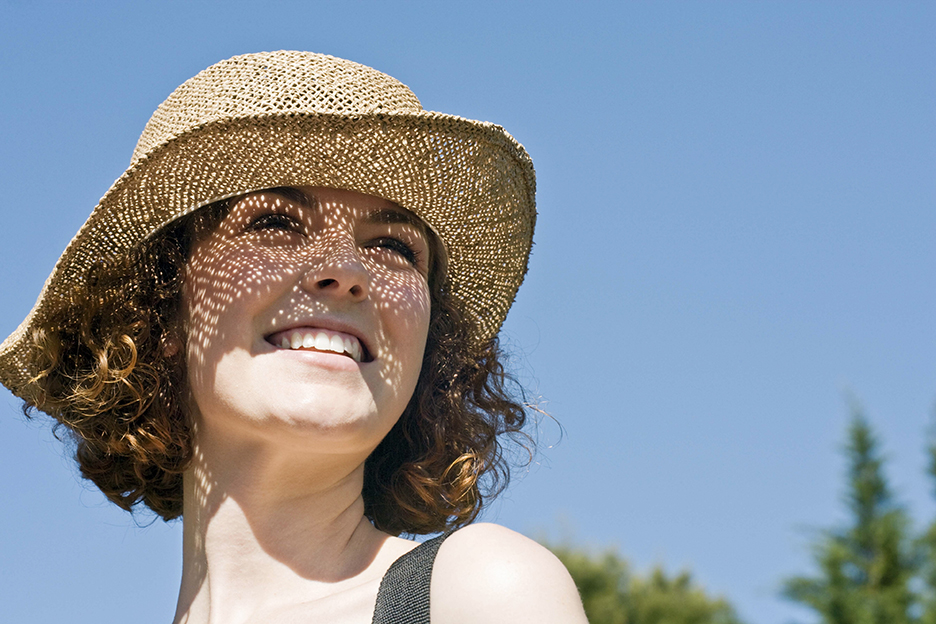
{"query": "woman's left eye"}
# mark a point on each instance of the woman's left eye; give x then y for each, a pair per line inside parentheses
(275, 221)
(397, 246)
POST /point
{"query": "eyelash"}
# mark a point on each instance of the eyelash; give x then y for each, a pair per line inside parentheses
(286, 223)
(275, 221)
(396, 245)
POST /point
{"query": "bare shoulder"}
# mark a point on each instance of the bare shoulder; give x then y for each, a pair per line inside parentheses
(488, 573)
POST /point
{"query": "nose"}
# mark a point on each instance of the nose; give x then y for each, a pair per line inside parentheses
(338, 271)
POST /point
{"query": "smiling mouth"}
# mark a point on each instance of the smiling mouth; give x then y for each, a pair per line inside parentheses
(323, 340)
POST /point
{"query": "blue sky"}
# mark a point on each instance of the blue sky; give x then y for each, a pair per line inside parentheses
(736, 234)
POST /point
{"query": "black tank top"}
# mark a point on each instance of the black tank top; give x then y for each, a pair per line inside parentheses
(403, 597)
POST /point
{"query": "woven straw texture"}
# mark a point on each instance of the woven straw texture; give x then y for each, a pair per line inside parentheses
(295, 119)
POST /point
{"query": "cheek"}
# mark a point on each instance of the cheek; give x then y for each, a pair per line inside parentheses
(209, 294)
(223, 285)
(403, 302)
(404, 306)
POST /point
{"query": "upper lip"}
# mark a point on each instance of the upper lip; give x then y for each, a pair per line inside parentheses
(329, 324)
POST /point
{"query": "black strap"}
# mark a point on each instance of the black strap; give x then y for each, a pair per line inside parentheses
(403, 597)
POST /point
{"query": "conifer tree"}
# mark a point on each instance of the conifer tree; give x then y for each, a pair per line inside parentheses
(865, 568)
(927, 548)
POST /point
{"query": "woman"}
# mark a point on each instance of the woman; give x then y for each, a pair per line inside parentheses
(280, 323)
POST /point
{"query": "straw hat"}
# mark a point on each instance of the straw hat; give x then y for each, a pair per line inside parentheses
(295, 119)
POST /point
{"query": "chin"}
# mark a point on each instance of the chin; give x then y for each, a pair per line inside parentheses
(327, 422)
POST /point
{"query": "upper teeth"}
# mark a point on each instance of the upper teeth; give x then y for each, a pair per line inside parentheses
(321, 340)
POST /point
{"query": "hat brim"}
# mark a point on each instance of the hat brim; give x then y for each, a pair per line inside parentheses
(468, 180)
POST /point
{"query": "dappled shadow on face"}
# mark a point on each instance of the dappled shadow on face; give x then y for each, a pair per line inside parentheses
(306, 313)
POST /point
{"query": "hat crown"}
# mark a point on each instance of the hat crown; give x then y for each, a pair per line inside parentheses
(274, 83)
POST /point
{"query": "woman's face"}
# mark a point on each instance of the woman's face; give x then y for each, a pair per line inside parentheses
(306, 313)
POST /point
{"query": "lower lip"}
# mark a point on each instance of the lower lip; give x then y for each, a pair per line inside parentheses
(328, 359)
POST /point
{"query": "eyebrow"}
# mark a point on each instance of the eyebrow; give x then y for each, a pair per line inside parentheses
(436, 248)
(384, 215)
(388, 216)
(391, 216)
(292, 194)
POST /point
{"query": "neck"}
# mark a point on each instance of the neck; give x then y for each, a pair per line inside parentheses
(262, 526)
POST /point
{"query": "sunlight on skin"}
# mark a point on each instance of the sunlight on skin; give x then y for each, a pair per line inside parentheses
(341, 261)
(284, 262)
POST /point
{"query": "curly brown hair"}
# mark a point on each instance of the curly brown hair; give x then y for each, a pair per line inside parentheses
(104, 372)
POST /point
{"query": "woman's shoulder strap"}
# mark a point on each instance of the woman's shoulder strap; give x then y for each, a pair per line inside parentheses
(403, 597)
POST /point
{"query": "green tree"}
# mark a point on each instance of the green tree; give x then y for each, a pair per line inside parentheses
(612, 594)
(865, 568)
(927, 548)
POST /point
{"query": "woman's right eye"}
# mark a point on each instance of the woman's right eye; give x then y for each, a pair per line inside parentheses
(274, 221)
